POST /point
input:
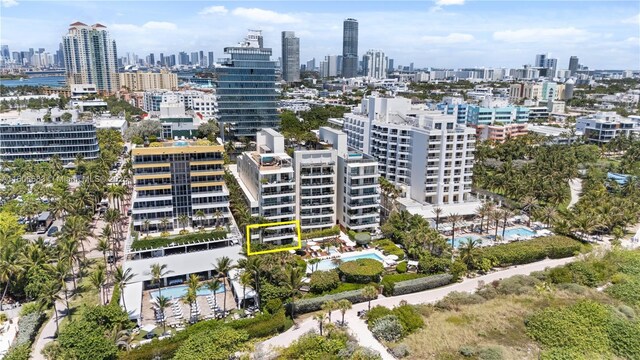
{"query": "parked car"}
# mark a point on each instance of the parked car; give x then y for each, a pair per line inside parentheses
(111, 258)
(52, 231)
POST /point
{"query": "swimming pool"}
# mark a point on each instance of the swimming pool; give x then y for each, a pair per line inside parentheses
(509, 234)
(176, 292)
(329, 264)
(463, 239)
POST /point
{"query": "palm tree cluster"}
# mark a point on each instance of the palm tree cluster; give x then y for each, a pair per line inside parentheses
(38, 270)
(522, 167)
(605, 207)
(415, 234)
(389, 195)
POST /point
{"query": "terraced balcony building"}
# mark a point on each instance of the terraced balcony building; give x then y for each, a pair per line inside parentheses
(178, 179)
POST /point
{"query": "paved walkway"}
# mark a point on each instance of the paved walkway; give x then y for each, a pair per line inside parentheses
(358, 327)
(576, 189)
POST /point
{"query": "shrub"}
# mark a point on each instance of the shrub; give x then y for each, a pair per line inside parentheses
(311, 346)
(19, 352)
(401, 268)
(388, 247)
(627, 311)
(30, 308)
(467, 351)
(115, 296)
(625, 338)
(387, 328)
(454, 300)
(409, 317)
(361, 270)
(430, 264)
(490, 353)
(165, 234)
(214, 344)
(376, 313)
(28, 328)
(389, 281)
(458, 269)
(524, 252)
(322, 281)
(400, 351)
(154, 243)
(626, 291)
(81, 339)
(3, 317)
(269, 291)
(315, 304)
(420, 284)
(516, 285)
(334, 231)
(573, 288)
(262, 325)
(273, 306)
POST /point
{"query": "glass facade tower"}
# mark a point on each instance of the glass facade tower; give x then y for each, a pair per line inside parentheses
(246, 89)
(350, 48)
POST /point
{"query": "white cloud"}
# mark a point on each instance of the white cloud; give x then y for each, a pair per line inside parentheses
(632, 20)
(160, 25)
(541, 34)
(215, 9)
(262, 15)
(452, 38)
(449, 2)
(8, 3)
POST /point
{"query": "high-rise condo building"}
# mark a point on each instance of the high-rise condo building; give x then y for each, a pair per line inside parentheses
(246, 89)
(311, 65)
(201, 59)
(541, 61)
(141, 81)
(350, 48)
(183, 58)
(152, 60)
(194, 58)
(573, 65)
(177, 180)
(90, 56)
(211, 61)
(375, 64)
(290, 57)
(551, 64)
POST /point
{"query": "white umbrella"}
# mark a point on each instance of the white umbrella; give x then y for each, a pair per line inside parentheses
(148, 328)
(393, 257)
(315, 247)
(292, 251)
(312, 243)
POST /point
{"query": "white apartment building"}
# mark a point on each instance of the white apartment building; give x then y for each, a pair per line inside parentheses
(267, 178)
(602, 127)
(142, 81)
(200, 102)
(375, 64)
(315, 174)
(427, 153)
(358, 191)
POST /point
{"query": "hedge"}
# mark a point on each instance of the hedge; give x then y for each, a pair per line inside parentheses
(29, 326)
(115, 296)
(524, 252)
(22, 352)
(262, 325)
(155, 243)
(334, 231)
(389, 248)
(315, 304)
(389, 281)
(361, 270)
(402, 267)
(421, 284)
(322, 281)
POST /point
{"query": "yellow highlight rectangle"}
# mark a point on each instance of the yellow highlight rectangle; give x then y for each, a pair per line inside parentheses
(255, 226)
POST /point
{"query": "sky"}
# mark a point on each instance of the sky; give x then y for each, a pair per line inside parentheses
(439, 33)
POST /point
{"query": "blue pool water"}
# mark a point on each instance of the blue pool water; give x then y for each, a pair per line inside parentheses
(458, 240)
(328, 264)
(522, 232)
(176, 292)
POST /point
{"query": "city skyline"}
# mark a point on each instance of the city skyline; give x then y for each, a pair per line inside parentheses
(604, 35)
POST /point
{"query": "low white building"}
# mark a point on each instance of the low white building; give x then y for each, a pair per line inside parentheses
(119, 124)
(602, 127)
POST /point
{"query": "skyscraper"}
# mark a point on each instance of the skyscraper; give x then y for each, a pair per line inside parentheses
(246, 88)
(183, 58)
(541, 61)
(210, 58)
(152, 59)
(201, 57)
(551, 64)
(390, 68)
(194, 58)
(311, 65)
(290, 57)
(90, 56)
(375, 64)
(350, 48)
(5, 54)
(161, 59)
(573, 65)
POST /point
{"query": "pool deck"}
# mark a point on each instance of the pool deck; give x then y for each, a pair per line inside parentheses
(148, 316)
(487, 235)
(351, 254)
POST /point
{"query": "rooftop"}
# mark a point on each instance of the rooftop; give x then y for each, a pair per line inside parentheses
(270, 161)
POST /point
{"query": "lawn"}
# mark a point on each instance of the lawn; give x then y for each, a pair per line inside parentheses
(341, 288)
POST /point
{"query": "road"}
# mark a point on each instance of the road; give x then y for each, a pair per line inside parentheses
(358, 327)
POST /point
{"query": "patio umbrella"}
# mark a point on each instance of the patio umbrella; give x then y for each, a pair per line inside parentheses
(148, 328)
(393, 257)
(311, 243)
(315, 247)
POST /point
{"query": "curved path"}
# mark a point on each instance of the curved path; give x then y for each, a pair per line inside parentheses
(576, 189)
(358, 327)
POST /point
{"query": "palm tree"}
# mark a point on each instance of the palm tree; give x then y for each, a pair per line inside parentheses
(314, 264)
(50, 296)
(320, 318)
(163, 303)
(60, 271)
(506, 213)
(69, 250)
(103, 247)
(200, 216)
(293, 283)
(213, 285)
(158, 272)
(529, 204)
(245, 279)
(370, 293)
(547, 214)
(164, 222)
(189, 299)
(9, 269)
(468, 252)
(438, 212)
(329, 306)
(146, 224)
(183, 220)
(454, 219)
(217, 215)
(222, 266)
(122, 278)
(344, 305)
(98, 279)
(124, 338)
(76, 228)
(495, 216)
